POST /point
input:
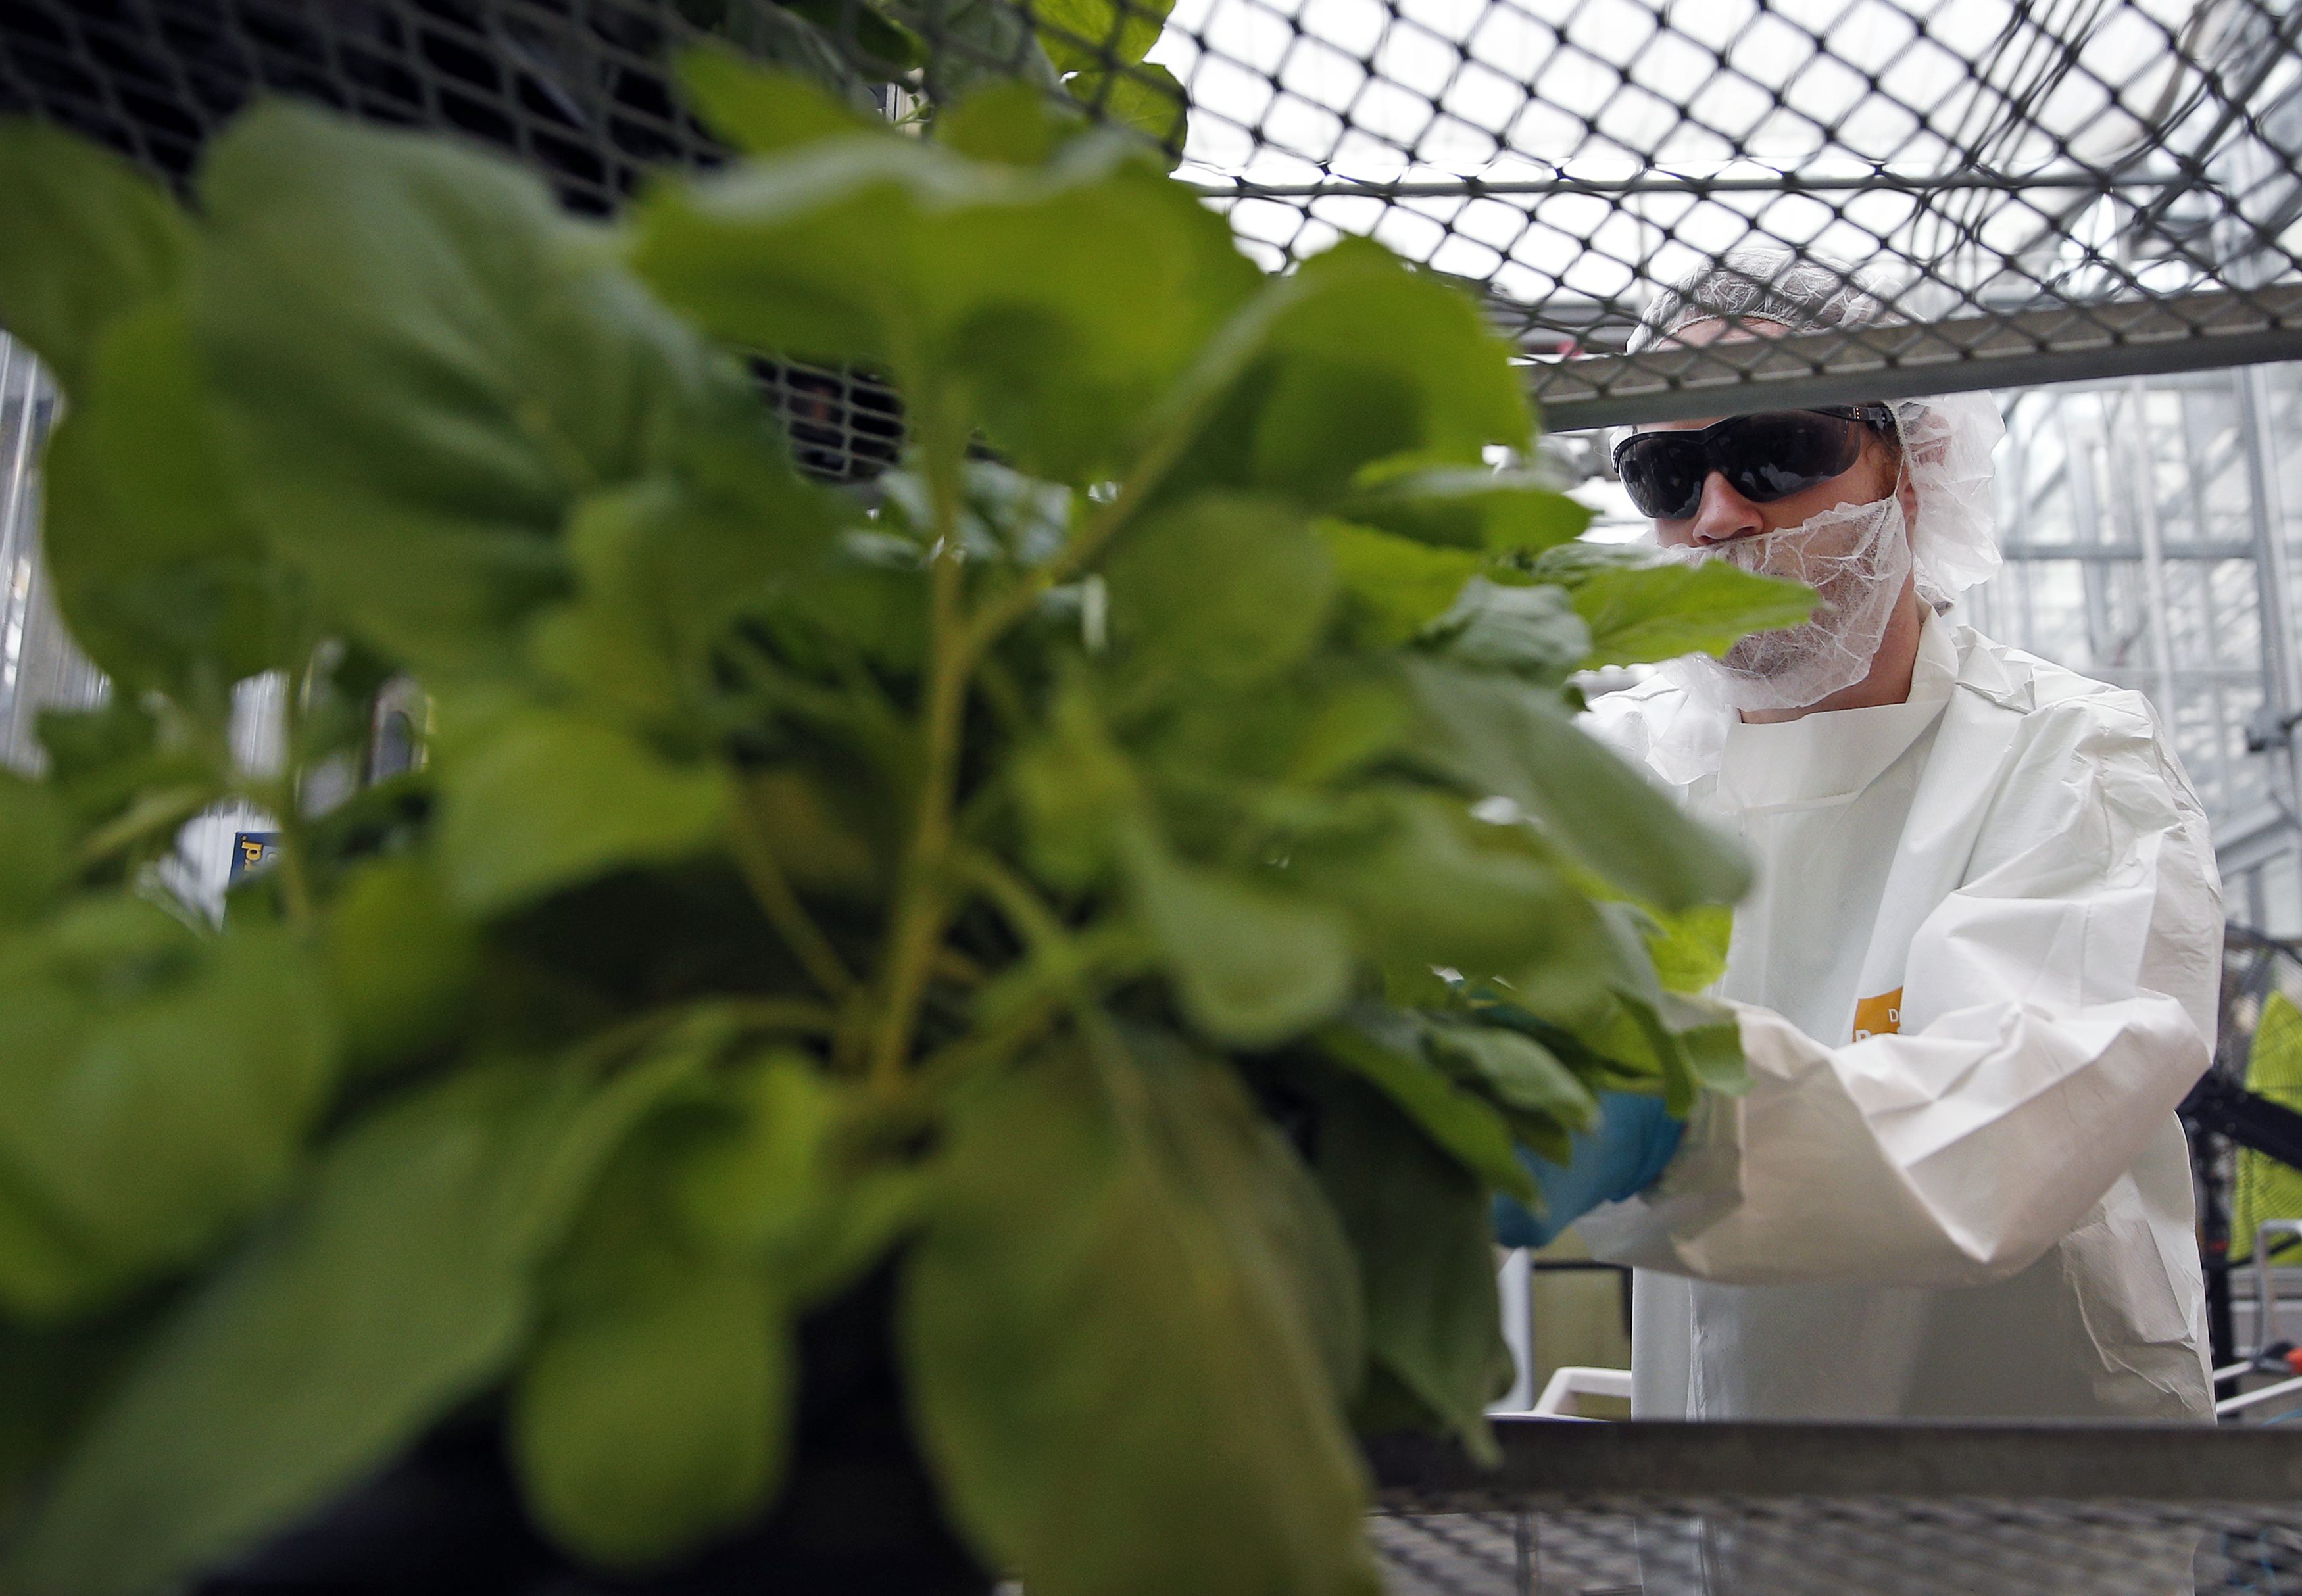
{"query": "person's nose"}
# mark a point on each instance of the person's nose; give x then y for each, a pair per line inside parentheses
(1722, 515)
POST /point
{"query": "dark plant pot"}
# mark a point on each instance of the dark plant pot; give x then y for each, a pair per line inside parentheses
(858, 1517)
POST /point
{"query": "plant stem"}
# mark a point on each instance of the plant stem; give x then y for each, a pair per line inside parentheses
(958, 644)
(992, 622)
(981, 1047)
(287, 808)
(920, 898)
(154, 812)
(610, 1049)
(1187, 405)
(1015, 898)
(952, 965)
(755, 857)
(614, 1046)
(295, 877)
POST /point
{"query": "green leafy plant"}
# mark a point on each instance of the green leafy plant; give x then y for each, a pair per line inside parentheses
(1135, 877)
(1090, 52)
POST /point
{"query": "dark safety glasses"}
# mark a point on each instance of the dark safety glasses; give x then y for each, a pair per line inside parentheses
(1763, 457)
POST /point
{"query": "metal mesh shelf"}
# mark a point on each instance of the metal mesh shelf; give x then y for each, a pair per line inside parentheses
(1647, 1510)
(2043, 188)
(577, 90)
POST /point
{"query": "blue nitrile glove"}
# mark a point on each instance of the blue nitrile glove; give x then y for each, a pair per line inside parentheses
(1623, 1156)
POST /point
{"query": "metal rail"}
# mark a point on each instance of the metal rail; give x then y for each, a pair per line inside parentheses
(2036, 1462)
(2247, 1118)
(1898, 361)
(1881, 181)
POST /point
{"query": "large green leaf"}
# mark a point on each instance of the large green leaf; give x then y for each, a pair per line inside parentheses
(1147, 1200)
(402, 964)
(1684, 1045)
(1530, 632)
(155, 1087)
(422, 362)
(399, 1285)
(534, 799)
(160, 572)
(869, 43)
(1498, 739)
(663, 568)
(1711, 1038)
(1086, 35)
(644, 1424)
(1432, 886)
(784, 1188)
(1063, 384)
(973, 46)
(90, 238)
(996, 279)
(1517, 1070)
(1192, 588)
(1467, 1129)
(1276, 746)
(1689, 949)
(1348, 724)
(652, 1412)
(1008, 125)
(1397, 586)
(1641, 606)
(36, 859)
(817, 254)
(1317, 396)
(1420, 1228)
(1252, 963)
(1145, 96)
(804, 39)
(761, 114)
(1463, 506)
(50, 1378)
(1076, 791)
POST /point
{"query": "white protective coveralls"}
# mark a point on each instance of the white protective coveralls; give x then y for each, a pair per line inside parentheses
(1978, 971)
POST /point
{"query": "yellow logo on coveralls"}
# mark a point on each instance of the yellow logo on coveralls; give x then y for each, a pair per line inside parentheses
(1880, 1016)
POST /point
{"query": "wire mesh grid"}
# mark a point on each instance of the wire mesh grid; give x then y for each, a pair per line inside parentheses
(1787, 1509)
(1842, 1547)
(2039, 188)
(578, 89)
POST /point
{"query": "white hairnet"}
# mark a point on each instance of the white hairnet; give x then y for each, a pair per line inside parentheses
(1763, 285)
(1947, 439)
(1947, 443)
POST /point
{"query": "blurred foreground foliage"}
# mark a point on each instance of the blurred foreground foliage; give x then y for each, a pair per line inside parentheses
(1135, 874)
(1091, 53)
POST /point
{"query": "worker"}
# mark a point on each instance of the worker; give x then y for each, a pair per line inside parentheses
(1977, 973)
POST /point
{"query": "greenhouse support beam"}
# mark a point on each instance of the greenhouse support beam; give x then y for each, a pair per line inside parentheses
(1678, 183)
(2057, 344)
(2121, 553)
(2273, 586)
